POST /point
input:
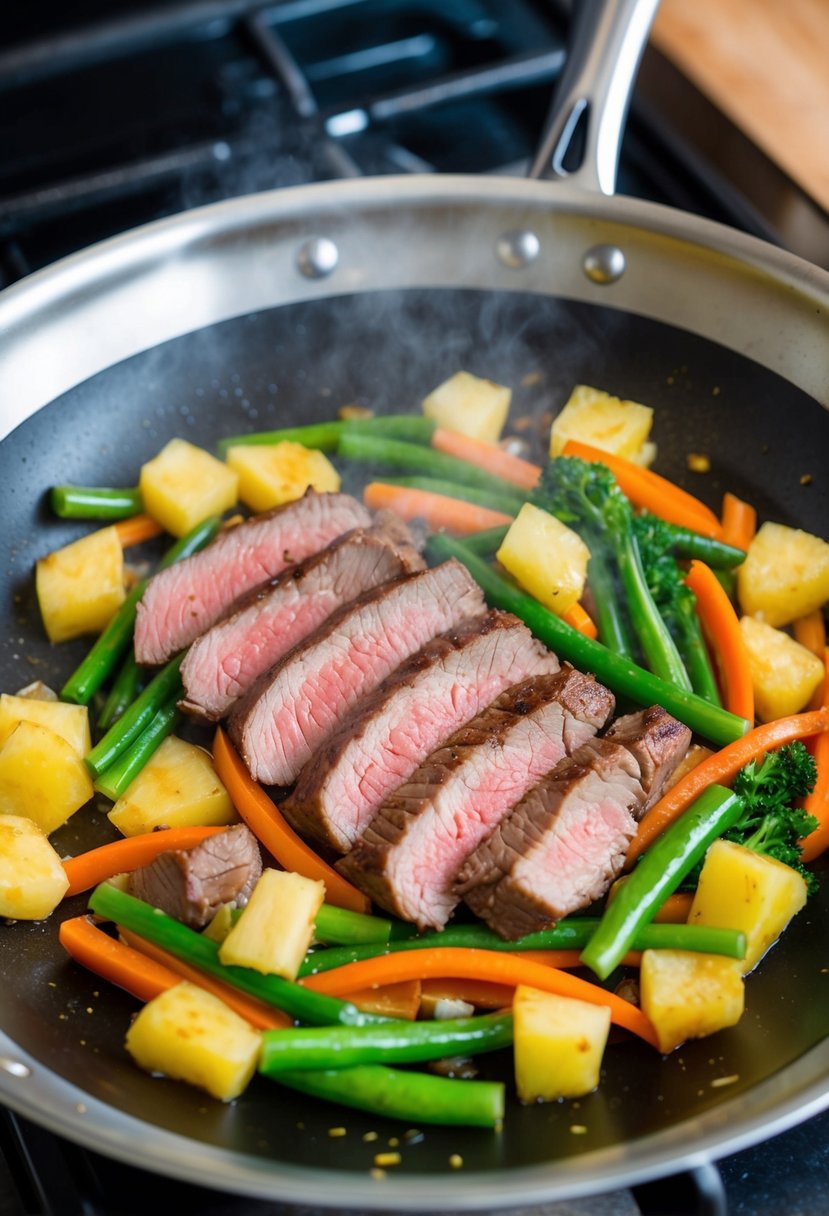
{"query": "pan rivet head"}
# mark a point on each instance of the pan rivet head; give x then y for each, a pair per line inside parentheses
(317, 257)
(518, 249)
(15, 1068)
(604, 264)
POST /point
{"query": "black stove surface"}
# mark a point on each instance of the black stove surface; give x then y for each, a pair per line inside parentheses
(115, 115)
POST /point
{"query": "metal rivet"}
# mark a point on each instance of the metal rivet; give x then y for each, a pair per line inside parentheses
(317, 258)
(604, 264)
(518, 249)
(15, 1068)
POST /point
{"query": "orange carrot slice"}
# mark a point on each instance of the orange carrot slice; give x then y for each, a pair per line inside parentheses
(817, 803)
(279, 838)
(722, 633)
(126, 968)
(436, 510)
(481, 993)
(577, 618)
(88, 869)
(136, 530)
(810, 631)
(400, 1000)
(739, 521)
(489, 457)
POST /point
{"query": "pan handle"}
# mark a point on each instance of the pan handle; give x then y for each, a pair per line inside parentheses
(591, 99)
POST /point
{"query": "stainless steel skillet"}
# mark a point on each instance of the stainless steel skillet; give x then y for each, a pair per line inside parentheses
(278, 308)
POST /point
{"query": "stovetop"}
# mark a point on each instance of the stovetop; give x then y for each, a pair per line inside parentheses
(115, 115)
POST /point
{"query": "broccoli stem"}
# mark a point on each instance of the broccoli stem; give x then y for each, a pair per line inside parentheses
(697, 663)
(613, 628)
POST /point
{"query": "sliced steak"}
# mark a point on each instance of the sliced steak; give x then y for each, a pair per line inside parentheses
(566, 840)
(224, 662)
(293, 710)
(184, 600)
(408, 856)
(420, 705)
(192, 884)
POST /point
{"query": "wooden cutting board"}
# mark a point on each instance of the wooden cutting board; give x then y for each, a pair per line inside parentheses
(765, 64)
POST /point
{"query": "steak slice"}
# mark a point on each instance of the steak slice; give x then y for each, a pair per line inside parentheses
(184, 600)
(566, 840)
(421, 704)
(224, 662)
(192, 884)
(292, 711)
(408, 856)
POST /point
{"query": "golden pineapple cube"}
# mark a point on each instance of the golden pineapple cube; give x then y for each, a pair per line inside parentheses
(688, 995)
(42, 777)
(470, 406)
(183, 484)
(32, 879)
(220, 924)
(190, 1035)
(81, 586)
(177, 788)
(740, 889)
(71, 722)
(558, 1045)
(276, 926)
(785, 575)
(280, 472)
(784, 674)
(595, 417)
(37, 691)
(546, 557)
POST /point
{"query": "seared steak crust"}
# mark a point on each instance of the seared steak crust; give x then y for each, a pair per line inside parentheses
(409, 855)
(413, 711)
(293, 710)
(263, 626)
(192, 884)
(567, 838)
(184, 600)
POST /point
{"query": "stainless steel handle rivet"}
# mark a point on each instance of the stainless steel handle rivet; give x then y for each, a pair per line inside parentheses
(604, 264)
(518, 249)
(15, 1068)
(317, 258)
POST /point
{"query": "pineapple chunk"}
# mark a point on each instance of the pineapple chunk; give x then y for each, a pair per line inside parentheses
(183, 484)
(191, 1035)
(280, 472)
(784, 576)
(178, 787)
(688, 995)
(71, 722)
(81, 586)
(42, 777)
(32, 879)
(784, 673)
(740, 889)
(276, 926)
(593, 416)
(546, 557)
(470, 406)
(37, 691)
(559, 1044)
(221, 923)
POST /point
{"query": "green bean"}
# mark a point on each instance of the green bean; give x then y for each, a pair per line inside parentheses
(570, 934)
(342, 926)
(326, 435)
(125, 688)
(698, 664)
(510, 504)
(714, 553)
(376, 449)
(108, 648)
(115, 779)
(201, 952)
(391, 1043)
(621, 675)
(658, 646)
(94, 502)
(159, 691)
(411, 1096)
(487, 542)
(658, 874)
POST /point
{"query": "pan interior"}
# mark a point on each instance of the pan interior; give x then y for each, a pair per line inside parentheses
(299, 364)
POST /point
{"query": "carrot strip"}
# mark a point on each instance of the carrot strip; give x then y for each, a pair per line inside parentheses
(675, 909)
(437, 510)
(121, 965)
(481, 993)
(462, 963)
(391, 1000)
(260, 1015)
(577, 618)
(739, 521)
(264, 820)
(136, 530)
(656, 494)
(810, 631)
(487, 456)
(721, 629)
(88, 869)
(722, 767)
(817, 803)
